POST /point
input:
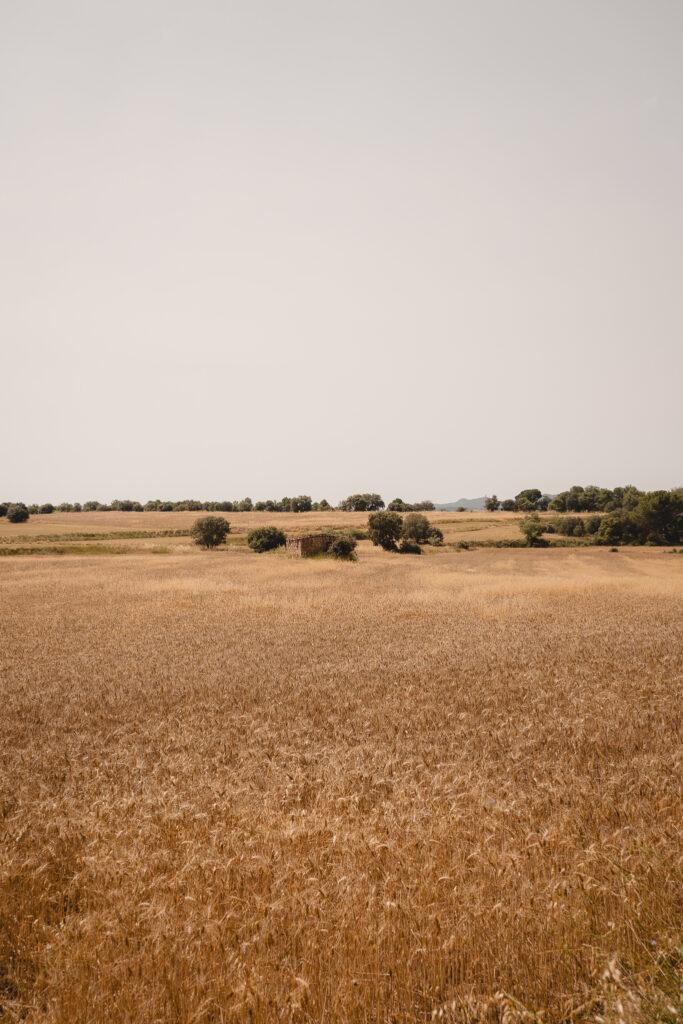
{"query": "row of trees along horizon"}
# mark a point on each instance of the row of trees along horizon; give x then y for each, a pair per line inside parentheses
(629, 516)
(576, 499)
(624, 515)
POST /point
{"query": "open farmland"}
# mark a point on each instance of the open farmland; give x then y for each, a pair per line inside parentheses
(139, 530)
(246, 788)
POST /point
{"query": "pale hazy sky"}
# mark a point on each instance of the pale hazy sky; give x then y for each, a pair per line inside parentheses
(266, 247)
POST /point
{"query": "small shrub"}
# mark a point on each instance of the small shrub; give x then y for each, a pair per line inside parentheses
(265, 538)
(17, 513)
(409, 547)
(434, 536)
(3, 509)
(343, 548)
(47, 509)
(592, 525)
(532, 528)
(210, 531)
(462, 545)
(384, 529)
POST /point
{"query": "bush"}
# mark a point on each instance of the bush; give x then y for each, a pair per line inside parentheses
(265, 538)
(532, 528)
(415, 527)
(47, 509)
(343, 547)
(17, 513)
(509, 505)
(384, 529)
(434, 536)
(592, 525)
(409, 547)
(210, 531)
(3, 509)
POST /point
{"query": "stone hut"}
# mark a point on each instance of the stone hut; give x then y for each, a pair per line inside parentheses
(307, 544)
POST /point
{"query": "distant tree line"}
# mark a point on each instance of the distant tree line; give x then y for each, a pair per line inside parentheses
(375, 503)
(299, 503)
(652, 517)
(627, 515)
(576, 499)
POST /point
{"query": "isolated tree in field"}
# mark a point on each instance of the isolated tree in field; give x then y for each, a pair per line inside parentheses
(47, 509)
(532, 528)
(210, 531)
(384, 529)
(492, 503)
(265, 538)
(17, 513)
(415, 527)
(343, 547)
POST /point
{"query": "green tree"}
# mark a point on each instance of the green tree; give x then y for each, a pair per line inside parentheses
(17, 513)
(415, 527)
(659, 517)
(362, 503)
(384, 529)
(492, 504)
(527, 500)
(210, 531)
(302, 503)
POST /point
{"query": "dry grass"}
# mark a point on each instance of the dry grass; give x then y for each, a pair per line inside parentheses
(475, 526)
(246, 788)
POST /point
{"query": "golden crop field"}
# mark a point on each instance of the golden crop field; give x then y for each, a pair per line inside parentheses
(142, 531)
(248, 788)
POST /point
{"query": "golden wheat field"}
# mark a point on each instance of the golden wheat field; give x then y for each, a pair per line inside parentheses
(247, 788)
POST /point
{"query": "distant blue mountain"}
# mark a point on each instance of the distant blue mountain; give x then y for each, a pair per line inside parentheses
(471, 504)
